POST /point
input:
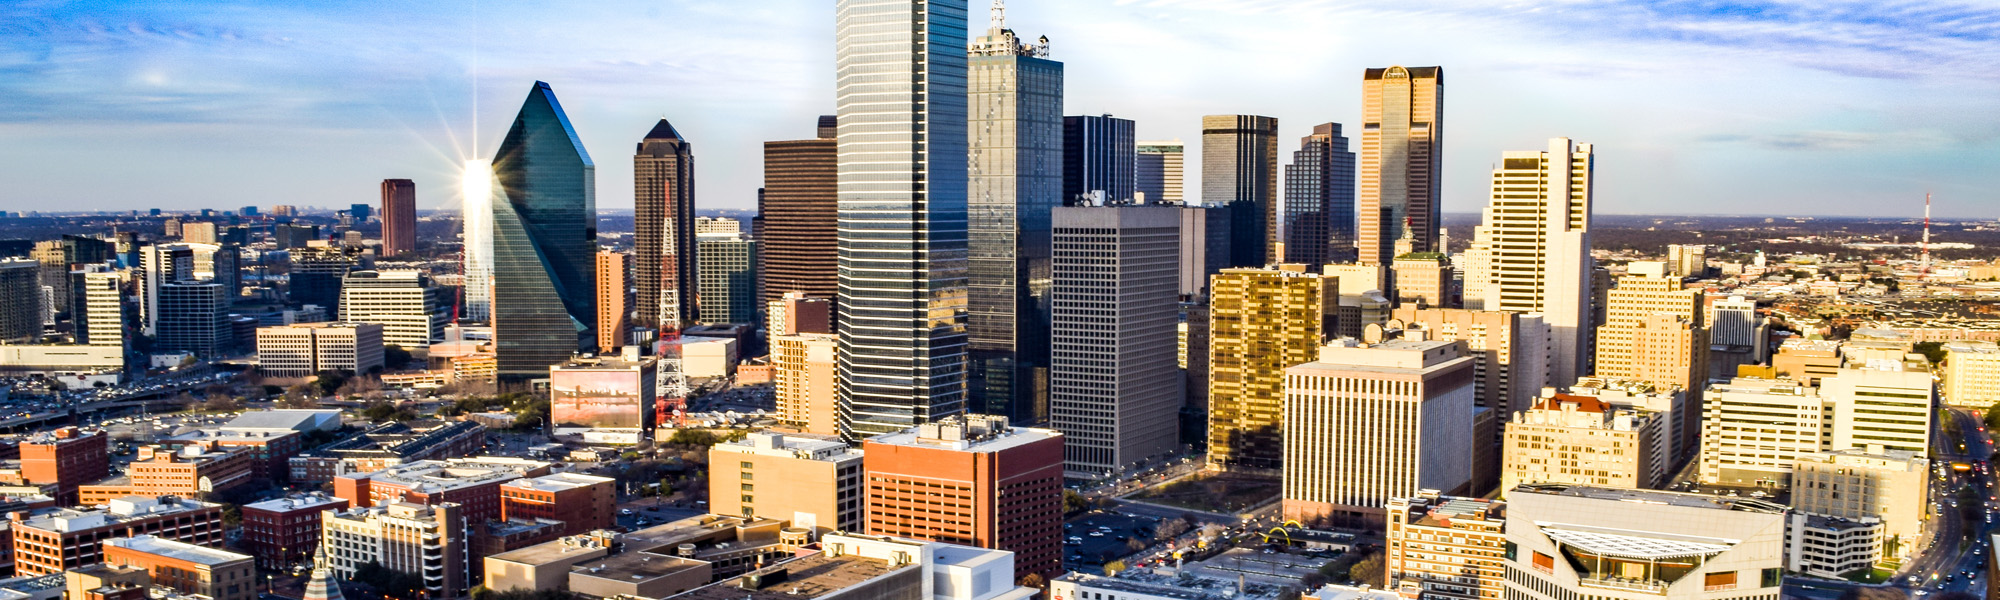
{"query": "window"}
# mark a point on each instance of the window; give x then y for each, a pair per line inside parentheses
(1545, 563)
(1773, 577)
(1719, 581)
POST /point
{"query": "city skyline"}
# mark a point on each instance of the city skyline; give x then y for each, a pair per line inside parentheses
(1713, 106)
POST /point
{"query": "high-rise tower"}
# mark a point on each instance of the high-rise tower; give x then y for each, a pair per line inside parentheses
(475, 187)
(1319, 199)
(1239, 169)
(1402, 114)
(663, 228)
(1016, 176)
(901, 95)
(544, 240)
(1538, 225)
(796, 252)
(399, 217)
(1158, 171)
(1098, 158)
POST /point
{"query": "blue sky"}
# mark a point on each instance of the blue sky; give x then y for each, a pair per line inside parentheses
(1833, 107)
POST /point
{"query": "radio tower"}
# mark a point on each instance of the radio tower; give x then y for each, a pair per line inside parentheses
(1924, 247)
(671, 381)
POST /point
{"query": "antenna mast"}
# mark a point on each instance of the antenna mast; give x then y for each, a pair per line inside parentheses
(1925, 245)
(999, 14)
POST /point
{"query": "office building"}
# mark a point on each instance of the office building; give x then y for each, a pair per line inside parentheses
(583, 503)
(21, 310)
(797, 252)
(478, 193)
(1807, 361)
(614, 285)
(399, 217)
(67, 457)
(193, 316)
(98, 305)
(404, 303)
(1261, 321)
(1890, 486)
(185, 567)
(1239, 170)
(318, 272)
(1401, 174)
(1647, 291)
(727, 264)
(1369, 423)
(385, 446)
(1440, 546)
(1362, 297)
(304, 349)
(428, 541)
(1754, 430)
(1538, 224)
(795, 313)
(1581, 440)
(1880, 407)
(1204, 248)
(1115, 391)
(270, 448)
(1971, 374)
(53, 540)
(185, 471)
(1687, 260)
(1733, 322)
(60, 256)
(803, 372)
(1319, 199)
(160, 265)
(1422, 279)
(930, 483)
(664, 250)
(813, 483)
(1158, 172)
(283, 532)
(1616, 544)
(1019, 143)
(717, 225)
(471, 484)
(1831, 547)
(544, 241)
(1098, 155)
(902, 222)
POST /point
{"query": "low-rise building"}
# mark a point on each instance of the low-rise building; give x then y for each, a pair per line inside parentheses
(1972, 374)
(51, 540)
(186, 568)
(471, 483)
(935, 482)
(814, 483)
(1581, 440)
(296, 419)
(105, 582)
(1889, 486)
(388, 445)
(859, 566)
(1568, 542)
(285, 531)
(271, 449)
(1135, 584)
(1441, 546)
(583, 503)
(426, 541)
(66, 457)
(544, 566)
(303, 349)
(1831, 547)
(184, 471)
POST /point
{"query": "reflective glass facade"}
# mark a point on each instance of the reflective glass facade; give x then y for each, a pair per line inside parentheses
(1319, 199)
(1015, 130)
(544, 240)
(1239, 170)
(900, 90)
(1099, 155)
(1402, 113)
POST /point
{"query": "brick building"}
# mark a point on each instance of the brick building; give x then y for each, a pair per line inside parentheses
(285, 531)
(428, 541)
(51, 540)
(66, 457)
(271, 449)
(388, 445)
(473, 484)
(188, 471)
(582, 502)
(186, 568)
(971, 480)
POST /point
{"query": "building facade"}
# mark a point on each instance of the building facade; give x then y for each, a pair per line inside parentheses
(303, 349)
(1114, 389)
(664, 253)
(1261, 322)
(583, 503)
(1239, 170)
(1440, 546)
(1889, 486)
(54, 540)
(284, 532)
(1098, 156)
(1531, 252)
(1367, 424)
(1972, 374)
(404, 303)
(803, 372)
(813, 483)
(399, 217)
(614, 310)
(727, 288)
(427, 541)
(971, 480)
(1581, 440)
(1319, 199)
(797, 201)
(21, 310)
(186, 568)
(544, 240)
(1158, 171)
(1401, 174)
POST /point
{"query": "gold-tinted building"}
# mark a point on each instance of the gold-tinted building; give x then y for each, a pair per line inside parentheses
(1645, 291)
(1261, 321)
(811, 482)
(1402, 133)
(803, 373)
(1444, 547)
(613, 311)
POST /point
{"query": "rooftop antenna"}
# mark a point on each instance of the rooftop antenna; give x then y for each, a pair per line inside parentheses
(1924, 246)
(999, 14)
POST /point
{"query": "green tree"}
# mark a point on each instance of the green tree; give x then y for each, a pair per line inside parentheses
(1367, 570)
(388, 581)
(1114, 567)
(1073, 502)
(394, 356)
(1993, 417)
(1931, 350)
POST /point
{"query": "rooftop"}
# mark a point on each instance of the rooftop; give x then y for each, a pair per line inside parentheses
(427, 476)
(559, 482)
(295, 502)
(979, 433)
(1653, 497)
(795, 446)
(1137, 581)
(806, 577)
(234, 434)
(633, 567)
(298, 419)
(68, 520)
(177, 550)
(545, 553)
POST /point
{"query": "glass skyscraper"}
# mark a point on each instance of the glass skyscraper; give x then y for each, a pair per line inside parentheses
(1402, 130)
(544, 240)
(663, 228)
(902, 182)
(1015, 95)
(1319, 199)
(1099, 155)
(1239, 170)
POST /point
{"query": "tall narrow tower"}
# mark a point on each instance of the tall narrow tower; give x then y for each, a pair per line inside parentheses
(1239, 170)
(900, 92)
(1402, 132)
(1319, 199)
(1538, 226)
(663, 228)
(544, 240)
(399, 216)
(1014, 95)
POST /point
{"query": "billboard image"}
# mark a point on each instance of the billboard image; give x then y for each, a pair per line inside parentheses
(599, 398)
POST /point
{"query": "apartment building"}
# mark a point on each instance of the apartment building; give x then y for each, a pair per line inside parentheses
(55, 539)
(185, 567)
(1439, 546)
(426, 541)
(1582, 440)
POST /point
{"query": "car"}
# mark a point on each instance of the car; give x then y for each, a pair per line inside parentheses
(1096, 534)
(624, 511)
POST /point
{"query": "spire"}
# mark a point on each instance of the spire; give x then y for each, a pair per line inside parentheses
(322, 586)
(663, 131)
(999, 14)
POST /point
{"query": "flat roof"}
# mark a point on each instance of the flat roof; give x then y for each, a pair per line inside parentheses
(290, 418)
(807, 577)
(295, 502)
(545, 553)
(177, 550)
(634, 567)
(1012, 438)
(558, 482)
(1681, 499)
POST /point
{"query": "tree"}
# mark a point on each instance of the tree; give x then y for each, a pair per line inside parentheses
(1134, 545)
(1114, 567)
(394, 356)
(1931, 350)
(1073, 502)
(1368, 570)
(388, 581)
(1033, 580)
(1993, 417)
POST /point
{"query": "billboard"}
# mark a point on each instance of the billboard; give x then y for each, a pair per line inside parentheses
(600, 398)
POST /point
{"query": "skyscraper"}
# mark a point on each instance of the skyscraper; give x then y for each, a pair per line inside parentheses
(614, 283)
(20, 300)
(193, 316)
(160, 265)
(476, 194)
(797, 249)
(1114, 387)
(399, 217)
(663, 242)
(1204, 248)
(1261, 322)
(1402, 133)
(902, 109)
(1157, 171)
(1098, 156)
(1239, 169)
(99, 316)
(1319, 199)
(403, 302)
(728, 278)
(544, 240)
(1538, 224)
(1368, 424)
(1016, 136)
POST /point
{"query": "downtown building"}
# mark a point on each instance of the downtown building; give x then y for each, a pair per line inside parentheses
(1366, 424)
(426, 541)
(803, 371)
(1098, 155)
(1444, 547)
(405, 303)
(797, 250)
(902, 217)
(1158, 171)
(813, 483)
(186, 568)
(1021, 166)
(283, 532)
(1319, 199)
(1115, 392)
(1402, 141)
(544, 199)
(1582, 440)
(1531, 253)
(21, 308)
(399, 217)
(726, 264)
(54, 540)
(663, 246)
(1571, 542)
(303, 349)
(614, 306)
(97, 306)
(972, 480)
(1261, 322)
(1239, 170)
